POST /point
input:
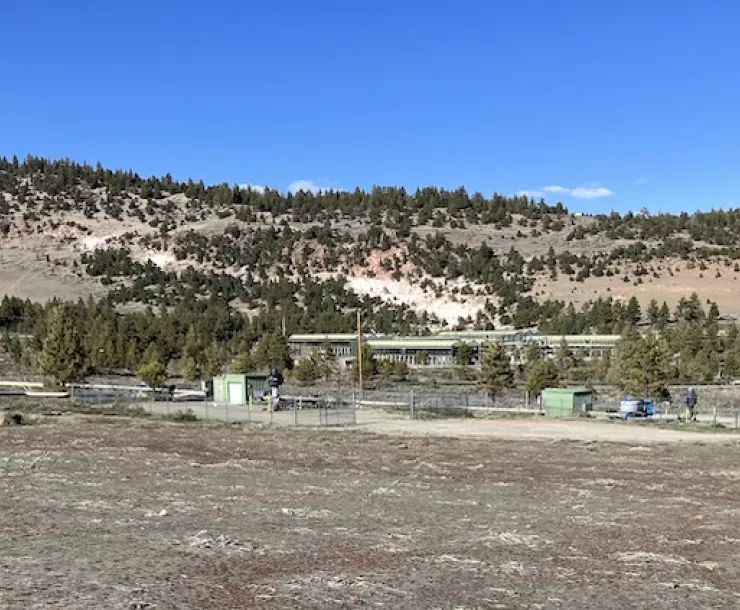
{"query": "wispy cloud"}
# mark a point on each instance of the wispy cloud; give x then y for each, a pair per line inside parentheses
(641, 181)
(310, 185)
(588, 191)
(554, 188)
(258, 188)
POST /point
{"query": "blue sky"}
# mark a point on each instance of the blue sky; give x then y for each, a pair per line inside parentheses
(603, 105)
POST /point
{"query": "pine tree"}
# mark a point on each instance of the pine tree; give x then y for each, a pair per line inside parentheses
(644, 366)
(462, 354)
(633, 312)
(563, 359)
(496, 373)
(532, 354)
(653, 312)
(243, 363)
(272, 350)
(664, 316)
(544, 374)
(63, 358)
(214, 359)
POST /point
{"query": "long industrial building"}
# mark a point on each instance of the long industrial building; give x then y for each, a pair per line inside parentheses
(441, 350)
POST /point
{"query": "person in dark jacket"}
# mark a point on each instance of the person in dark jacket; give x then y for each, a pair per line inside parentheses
(691, 403)
(275, 380)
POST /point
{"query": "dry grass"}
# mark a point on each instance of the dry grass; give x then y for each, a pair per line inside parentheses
(137, 514)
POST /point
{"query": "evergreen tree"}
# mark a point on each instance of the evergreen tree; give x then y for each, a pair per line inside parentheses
(243, 363)
(214, 359)
(653, 312)
(304, 372)
(272, 350)
(63, 358)
(633, 312)
(544, 374)
(664, 316)
(496, 373)
(644, 366)
(463, 354)
(563, 359)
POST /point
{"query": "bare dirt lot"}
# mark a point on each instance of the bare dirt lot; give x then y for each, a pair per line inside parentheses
(119, 513)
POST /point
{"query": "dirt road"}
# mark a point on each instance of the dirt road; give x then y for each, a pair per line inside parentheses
(536, 428)
(384, 422)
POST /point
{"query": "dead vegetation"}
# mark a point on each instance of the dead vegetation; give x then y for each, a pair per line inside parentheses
(143, 514)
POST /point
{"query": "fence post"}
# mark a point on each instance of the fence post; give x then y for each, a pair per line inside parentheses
(737, 417)
(269, 407)
(226, 408)
(206, 405)
(411, 403)
(354, 410)
(715, 415)
(249, 403)
(295, 414)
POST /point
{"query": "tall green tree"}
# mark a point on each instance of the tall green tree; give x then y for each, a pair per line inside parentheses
(243, 363)
(496, 373)
(644, 366)
(463, 354)
(63, 358)
(272, 350)
(544, 374)
(653, 312)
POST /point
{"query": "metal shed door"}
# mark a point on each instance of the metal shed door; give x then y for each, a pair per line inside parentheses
(235, 393)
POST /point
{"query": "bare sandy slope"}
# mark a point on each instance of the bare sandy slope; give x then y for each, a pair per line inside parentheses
(669, 288)
(27, 275)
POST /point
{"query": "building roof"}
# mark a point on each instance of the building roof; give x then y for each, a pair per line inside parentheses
(568, 390)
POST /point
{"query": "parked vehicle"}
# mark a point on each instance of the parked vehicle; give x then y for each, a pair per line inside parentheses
(631, 408)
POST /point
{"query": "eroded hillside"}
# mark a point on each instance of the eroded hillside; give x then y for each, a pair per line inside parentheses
(410, 260)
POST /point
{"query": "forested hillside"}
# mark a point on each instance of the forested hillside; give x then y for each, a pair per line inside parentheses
(215, 267)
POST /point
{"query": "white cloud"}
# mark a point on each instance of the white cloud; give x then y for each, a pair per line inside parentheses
(258, 188)
(641, 181)
(310, 185)
(588, 191)
(554, 188)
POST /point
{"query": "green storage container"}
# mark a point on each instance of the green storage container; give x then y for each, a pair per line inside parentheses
(236, 389)
(566, 402)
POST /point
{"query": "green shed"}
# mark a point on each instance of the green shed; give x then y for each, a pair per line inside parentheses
(564, 402)
(236, 388)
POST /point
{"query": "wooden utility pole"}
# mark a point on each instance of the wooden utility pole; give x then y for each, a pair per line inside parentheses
(359, 353)
(284, 335)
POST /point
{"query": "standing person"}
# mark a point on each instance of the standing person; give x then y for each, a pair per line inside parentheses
(691, 403)
(275, 380)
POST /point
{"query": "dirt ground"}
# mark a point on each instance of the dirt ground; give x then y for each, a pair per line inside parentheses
(119, 513)
(539, 428)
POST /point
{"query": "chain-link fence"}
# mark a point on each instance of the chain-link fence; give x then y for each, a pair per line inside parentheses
(287, 413)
